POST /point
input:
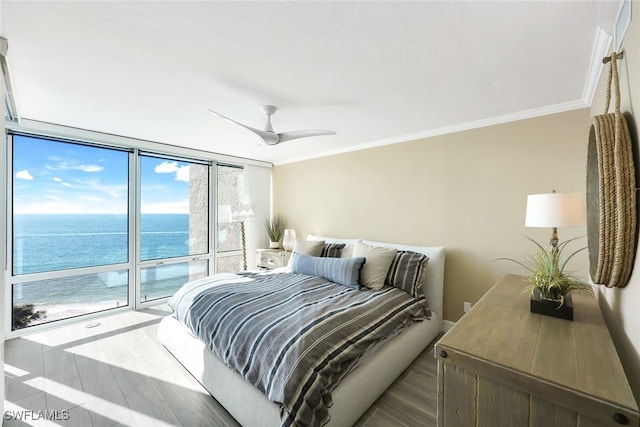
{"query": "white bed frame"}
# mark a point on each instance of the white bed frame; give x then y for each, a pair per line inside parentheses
(357, 391)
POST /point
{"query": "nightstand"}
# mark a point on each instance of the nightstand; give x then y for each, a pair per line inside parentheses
(267, 259)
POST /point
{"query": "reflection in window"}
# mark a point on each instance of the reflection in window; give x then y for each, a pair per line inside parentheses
(164, 280)
(230, 188)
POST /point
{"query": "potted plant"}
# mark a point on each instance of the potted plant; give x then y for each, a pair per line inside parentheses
(24, 315)
(550, 283)
(275, 230)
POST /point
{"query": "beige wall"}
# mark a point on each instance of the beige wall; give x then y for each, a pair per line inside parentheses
(621, 306)
(466, 191)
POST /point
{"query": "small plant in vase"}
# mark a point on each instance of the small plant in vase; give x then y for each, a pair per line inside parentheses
(275, 230)
(550, 283)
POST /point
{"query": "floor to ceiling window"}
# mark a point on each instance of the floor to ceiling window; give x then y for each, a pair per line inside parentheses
(174, 224)
(94, 227)
(70, 240)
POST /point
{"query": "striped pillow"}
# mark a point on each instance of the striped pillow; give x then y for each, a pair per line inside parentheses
(407, 272)
(344, 271)
(332, 250)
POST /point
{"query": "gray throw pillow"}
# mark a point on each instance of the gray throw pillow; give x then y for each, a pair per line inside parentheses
(343, 271)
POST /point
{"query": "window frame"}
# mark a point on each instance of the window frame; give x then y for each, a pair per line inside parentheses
(10, 182)
(135, 147)
(140, 263)
(10, 278)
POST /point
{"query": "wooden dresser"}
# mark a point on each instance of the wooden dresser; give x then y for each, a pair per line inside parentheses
(501, 365)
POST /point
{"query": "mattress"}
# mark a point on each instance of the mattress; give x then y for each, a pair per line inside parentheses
(351, 398)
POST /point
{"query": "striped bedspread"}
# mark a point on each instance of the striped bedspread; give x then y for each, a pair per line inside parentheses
(291, 335)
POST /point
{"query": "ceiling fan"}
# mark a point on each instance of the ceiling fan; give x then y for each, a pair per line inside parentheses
(268, 136)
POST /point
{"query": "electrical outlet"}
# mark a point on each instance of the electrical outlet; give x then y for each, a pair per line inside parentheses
(467, 306)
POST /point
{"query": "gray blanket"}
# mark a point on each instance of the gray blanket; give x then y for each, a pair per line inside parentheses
(291, 335)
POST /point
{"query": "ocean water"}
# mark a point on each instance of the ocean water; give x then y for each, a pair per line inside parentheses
(59, 242)
(44, 243)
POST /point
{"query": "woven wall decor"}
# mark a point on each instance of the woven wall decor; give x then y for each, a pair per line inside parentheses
(611, 193)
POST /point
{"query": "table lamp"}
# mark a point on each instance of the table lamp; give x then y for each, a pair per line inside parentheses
(553, 210)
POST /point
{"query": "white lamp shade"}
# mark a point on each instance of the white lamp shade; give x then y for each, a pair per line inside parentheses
(555, 210)
(241, 213)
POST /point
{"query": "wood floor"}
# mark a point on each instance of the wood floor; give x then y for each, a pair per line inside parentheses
(117, 374)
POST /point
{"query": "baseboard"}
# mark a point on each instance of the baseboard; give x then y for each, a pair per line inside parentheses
(447, 324)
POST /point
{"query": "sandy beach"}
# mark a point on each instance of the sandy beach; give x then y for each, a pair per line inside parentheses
(62, 311)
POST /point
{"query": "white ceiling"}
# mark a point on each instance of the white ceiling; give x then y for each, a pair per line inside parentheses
(375, 72)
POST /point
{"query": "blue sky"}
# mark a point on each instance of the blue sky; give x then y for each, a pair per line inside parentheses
(57, 177)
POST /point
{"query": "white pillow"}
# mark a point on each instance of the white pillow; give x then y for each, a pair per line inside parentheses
(308, 247)
(378, 261)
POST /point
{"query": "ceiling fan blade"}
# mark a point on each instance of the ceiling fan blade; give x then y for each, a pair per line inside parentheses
(288, 136)
(268, 138)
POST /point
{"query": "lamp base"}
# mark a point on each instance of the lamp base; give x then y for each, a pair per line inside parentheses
(552, 308)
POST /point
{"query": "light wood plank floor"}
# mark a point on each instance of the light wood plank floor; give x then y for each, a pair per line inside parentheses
(118, 374)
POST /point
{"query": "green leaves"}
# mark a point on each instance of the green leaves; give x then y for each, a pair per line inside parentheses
(275, 227)
(548, 275)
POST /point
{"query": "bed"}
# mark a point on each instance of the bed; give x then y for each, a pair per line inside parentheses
(356, 391)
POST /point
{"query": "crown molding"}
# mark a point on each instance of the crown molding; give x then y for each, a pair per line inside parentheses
(601, 48)
(491, 121)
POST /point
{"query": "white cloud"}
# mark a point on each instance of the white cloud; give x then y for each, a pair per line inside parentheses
(182, 172)
(166, 167)
(89, 168)
(24, 175)
(73, 165)
(66, 184)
